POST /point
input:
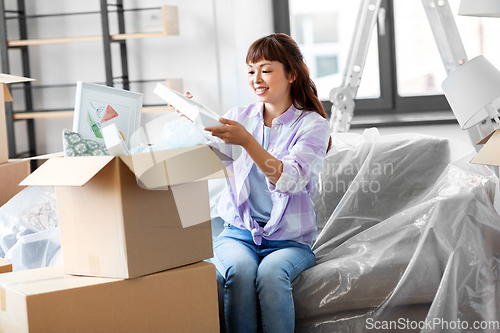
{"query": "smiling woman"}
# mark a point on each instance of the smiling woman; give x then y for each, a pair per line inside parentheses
(277, 145)
(272, 86)
(283, 49)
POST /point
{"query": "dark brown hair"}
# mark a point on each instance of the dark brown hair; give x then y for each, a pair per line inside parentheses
(282, 48)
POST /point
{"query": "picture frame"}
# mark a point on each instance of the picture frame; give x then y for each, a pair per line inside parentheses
(97, 106)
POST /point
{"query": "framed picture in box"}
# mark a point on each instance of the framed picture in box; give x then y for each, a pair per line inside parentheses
(97, 106)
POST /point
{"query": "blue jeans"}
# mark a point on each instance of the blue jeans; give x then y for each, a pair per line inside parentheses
(258, 276)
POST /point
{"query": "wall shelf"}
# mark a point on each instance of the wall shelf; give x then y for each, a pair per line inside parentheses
(169, 28)
(20, 31)
(69, 113)
(59, 98)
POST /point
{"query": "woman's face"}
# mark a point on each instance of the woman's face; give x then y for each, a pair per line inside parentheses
(270, 82)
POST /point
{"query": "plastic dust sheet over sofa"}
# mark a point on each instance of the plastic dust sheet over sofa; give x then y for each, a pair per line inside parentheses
(408, 240)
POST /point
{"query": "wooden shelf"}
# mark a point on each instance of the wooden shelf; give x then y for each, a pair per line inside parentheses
(170, 28)
(42, 115)
(69, 113)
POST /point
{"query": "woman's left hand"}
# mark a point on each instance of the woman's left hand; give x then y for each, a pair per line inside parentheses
(232, 132)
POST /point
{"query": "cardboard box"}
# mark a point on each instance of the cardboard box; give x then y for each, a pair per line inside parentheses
(4, 149)
(45, 300)
(489, 155)
(6, 97)
(5, 266)
(11, 174)
(114, 225)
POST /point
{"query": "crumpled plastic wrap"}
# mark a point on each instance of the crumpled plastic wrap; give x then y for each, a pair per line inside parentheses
(29, 229)
(410, 244)
(178, 133)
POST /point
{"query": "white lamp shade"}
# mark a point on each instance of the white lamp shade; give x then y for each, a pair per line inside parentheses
(470, 88)
(487, 8)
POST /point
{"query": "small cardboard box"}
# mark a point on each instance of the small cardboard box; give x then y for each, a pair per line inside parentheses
(5, 266)
(4, 149)
(128, 216)
(45, 300)
(6, 97)
(489, 154)
(11, 174)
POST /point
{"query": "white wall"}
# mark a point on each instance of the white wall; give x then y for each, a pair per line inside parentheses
(208, 54)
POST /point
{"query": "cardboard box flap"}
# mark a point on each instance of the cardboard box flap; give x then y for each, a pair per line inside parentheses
(45, 156)
(162, 168)
(483, 141)
(46, 280)
(489, 155)
(140, 163)
(7, 97)
(7, 78)
(5, 266)
(221, 156)
(57, 283)
(31, 275)
(71, 171)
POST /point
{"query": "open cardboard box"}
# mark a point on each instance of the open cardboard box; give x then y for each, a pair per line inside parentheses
(490, 153)
(11, 174)
(128, 216)
(11, 171)
(45, 300)
(5, 266)
(6, 97)
(4, 148)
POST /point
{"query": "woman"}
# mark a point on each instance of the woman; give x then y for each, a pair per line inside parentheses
(278, 146)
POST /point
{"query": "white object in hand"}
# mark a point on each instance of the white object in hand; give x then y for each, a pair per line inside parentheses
(198, 113)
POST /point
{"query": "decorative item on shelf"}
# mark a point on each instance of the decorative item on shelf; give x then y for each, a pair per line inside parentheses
(486, 8)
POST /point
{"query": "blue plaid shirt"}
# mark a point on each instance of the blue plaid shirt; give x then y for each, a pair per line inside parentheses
(299, 139)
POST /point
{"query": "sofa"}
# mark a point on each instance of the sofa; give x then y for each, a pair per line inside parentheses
(415, 252)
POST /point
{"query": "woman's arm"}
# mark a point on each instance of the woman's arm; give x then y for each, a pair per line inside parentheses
(234, 133)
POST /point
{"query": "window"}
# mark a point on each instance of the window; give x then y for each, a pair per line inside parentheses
(419, 66)
(323, 30)
(326, 65)
(403, 70)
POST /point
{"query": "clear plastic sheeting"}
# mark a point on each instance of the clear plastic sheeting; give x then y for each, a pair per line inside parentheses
(29, 232)
(177, 133)
(408, 241)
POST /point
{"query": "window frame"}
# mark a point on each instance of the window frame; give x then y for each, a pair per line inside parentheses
(390, 109)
